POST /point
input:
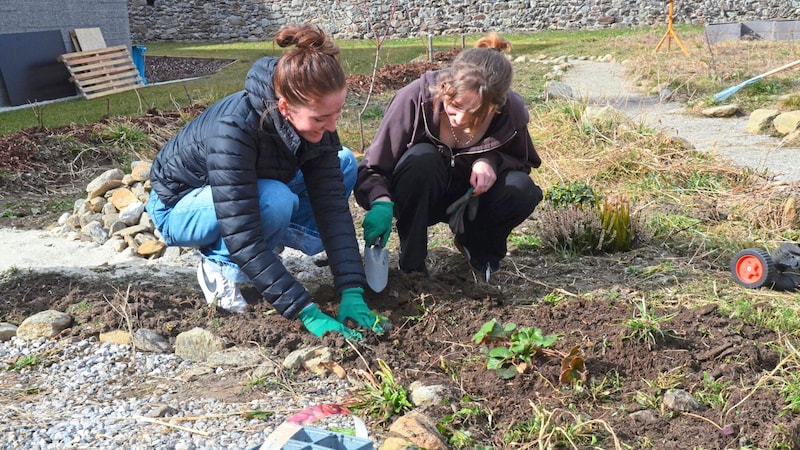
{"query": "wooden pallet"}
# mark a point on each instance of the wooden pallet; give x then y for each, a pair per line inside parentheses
(102, 71)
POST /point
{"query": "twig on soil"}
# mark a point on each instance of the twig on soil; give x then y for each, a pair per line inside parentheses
(361, 357)
(697, 416)
(124, 310)
(216, 416)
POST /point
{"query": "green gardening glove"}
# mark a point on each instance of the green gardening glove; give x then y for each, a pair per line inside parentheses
(353, 307)
(319, 323)
(378, 222)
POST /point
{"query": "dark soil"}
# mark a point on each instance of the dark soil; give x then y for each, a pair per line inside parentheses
(584, 300)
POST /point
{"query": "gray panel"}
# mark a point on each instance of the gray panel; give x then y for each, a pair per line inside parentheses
(787, 30)
(719, 32)
(30, 68)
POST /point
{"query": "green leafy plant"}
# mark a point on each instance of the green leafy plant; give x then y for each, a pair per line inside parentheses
(571, 194)
(381, 397)
(509, 352)
(553, 298)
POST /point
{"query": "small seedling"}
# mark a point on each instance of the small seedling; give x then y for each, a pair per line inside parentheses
(573, 367)
(382, 397)
(714, 392)
(647, 326)
(25, 361)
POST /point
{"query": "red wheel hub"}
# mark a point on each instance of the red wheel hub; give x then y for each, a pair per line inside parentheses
(749, 268)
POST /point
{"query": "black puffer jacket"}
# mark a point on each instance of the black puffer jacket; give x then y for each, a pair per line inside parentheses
(226, 148)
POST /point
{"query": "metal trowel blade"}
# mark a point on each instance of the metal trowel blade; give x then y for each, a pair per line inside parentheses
(376, 266)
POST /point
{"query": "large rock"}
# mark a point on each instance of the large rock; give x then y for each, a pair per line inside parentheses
(45, 324)
(197, 344)
(140, 170)
(414, 430)
(110, 179)
(721, 111)
(787, 122)
(123, 197)
(555, 90)
(761, 120)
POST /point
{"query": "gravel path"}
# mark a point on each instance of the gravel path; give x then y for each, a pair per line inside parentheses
(606, 83)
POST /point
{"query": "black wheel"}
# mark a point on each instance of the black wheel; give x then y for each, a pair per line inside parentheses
(753, 268)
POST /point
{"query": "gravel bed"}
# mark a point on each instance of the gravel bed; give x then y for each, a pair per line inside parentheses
(86, 395)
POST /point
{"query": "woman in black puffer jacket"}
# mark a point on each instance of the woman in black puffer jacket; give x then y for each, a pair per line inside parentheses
(263, 168)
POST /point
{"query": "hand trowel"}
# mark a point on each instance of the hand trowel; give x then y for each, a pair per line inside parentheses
(376, 265)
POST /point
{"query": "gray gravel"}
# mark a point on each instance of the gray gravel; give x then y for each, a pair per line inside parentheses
(82, 401)
(606, 83)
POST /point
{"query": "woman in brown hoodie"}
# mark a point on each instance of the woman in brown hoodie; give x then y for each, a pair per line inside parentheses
(453, 147)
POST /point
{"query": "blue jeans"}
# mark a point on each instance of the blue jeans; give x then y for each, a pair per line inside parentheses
(286, 218)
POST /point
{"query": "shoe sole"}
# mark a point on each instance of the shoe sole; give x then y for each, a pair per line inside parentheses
(480, 275)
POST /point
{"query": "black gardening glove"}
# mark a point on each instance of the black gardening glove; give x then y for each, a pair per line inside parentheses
(466, 203)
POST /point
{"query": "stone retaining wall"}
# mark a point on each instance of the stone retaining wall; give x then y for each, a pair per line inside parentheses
(257, 20)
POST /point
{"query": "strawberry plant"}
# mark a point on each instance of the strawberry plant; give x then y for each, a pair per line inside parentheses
(511, 352)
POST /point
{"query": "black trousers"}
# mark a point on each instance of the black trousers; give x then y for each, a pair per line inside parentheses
(422, 190)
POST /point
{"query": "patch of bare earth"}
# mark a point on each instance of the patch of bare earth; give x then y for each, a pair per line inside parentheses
(435, 320)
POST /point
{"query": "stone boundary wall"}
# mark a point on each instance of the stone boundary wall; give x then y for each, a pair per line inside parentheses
(257, 20)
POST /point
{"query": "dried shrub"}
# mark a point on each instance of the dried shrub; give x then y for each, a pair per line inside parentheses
(571, 229)
(583, 228)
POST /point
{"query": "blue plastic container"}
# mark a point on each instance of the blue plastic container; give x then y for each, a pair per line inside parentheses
(137, 54)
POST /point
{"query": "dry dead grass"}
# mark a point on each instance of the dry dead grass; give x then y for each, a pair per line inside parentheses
(709, 68)
(687, 196)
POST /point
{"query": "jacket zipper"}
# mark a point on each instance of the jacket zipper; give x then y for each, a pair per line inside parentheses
(452, 154)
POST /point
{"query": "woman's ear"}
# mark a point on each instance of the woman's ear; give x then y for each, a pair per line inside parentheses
(283, 107)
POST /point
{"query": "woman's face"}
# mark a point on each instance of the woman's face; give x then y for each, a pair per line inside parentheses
(460, 110)
(312, 121)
